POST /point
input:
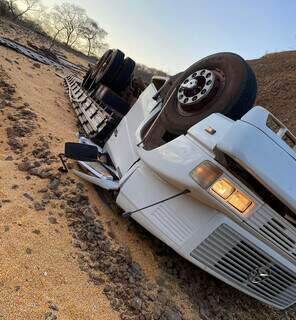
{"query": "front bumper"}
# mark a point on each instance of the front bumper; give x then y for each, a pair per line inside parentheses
(211, 240)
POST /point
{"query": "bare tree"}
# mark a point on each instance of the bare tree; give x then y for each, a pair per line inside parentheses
(54, 26)
(72, 18)
(93, 34)
(25, 5)
(70, 24)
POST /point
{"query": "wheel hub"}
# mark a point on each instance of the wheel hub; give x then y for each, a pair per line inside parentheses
(190, 85)
(196, 87)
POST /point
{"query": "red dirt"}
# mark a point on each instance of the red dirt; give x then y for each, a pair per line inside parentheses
(276, 77)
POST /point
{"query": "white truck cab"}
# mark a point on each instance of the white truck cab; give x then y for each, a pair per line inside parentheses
(221, 191)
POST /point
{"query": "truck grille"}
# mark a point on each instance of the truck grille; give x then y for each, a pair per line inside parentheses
(276, 228)
(233, 257)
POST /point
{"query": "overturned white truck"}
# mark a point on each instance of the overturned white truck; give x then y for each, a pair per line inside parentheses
(189, 159)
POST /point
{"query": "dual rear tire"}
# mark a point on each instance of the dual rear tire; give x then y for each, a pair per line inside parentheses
(112, 70)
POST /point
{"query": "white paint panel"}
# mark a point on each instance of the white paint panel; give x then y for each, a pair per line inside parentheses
(174, 221)
(122, 144)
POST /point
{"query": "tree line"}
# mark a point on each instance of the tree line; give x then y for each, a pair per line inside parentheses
(66, 23)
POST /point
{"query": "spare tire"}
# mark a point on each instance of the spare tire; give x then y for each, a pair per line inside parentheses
(112, 100)
(221, 83)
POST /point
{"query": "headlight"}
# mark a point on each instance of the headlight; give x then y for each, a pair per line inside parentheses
(226, 190)
(240, 201)
(223, 188)
(208, 176)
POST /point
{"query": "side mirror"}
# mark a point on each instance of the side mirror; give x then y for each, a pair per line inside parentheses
(81, 152)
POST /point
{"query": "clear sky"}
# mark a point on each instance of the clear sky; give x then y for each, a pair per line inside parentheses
(171, 35)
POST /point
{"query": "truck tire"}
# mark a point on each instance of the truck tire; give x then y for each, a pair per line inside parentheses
(124, 77)
(91, 73)
(111, 99)
(220, 83)
(108, 68)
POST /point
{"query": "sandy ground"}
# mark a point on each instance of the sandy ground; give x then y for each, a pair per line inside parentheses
(39, 267)
(50, 267)
(26, 37)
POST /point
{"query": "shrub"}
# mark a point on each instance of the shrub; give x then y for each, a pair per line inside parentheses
(4, 9)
